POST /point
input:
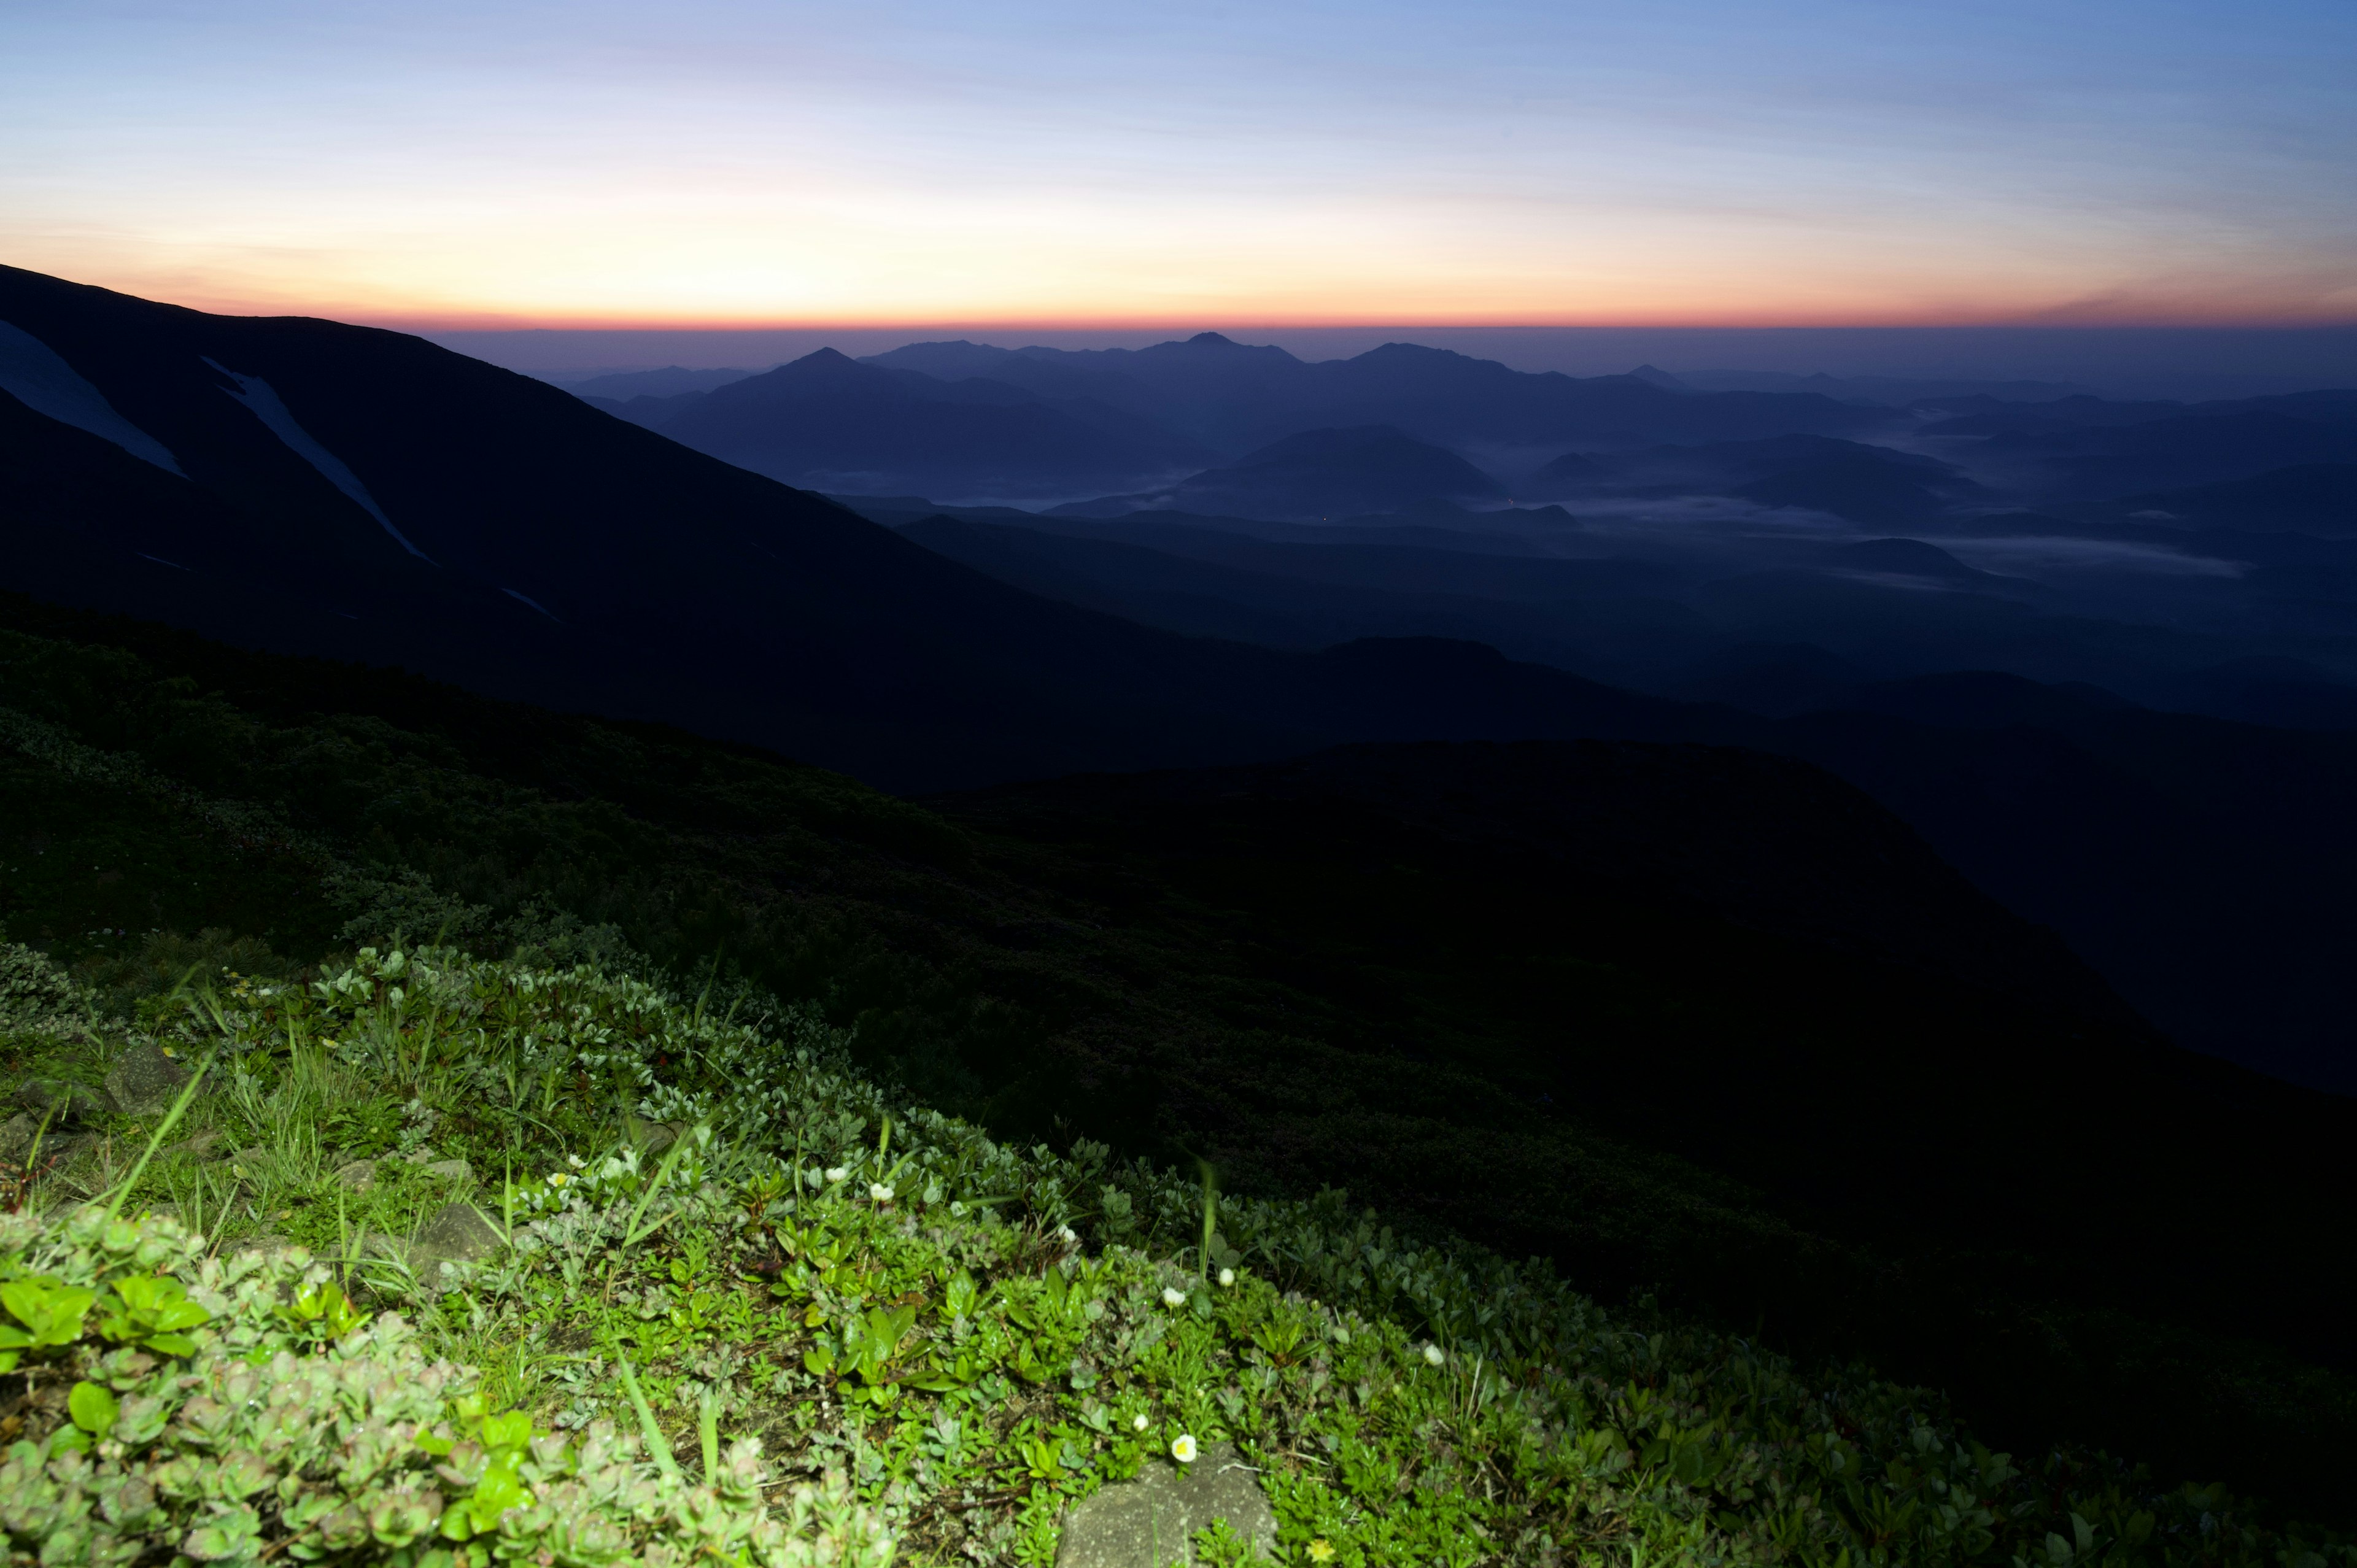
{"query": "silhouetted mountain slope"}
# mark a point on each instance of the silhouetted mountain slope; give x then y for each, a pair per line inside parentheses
(1681, 1018)
(1322, 475)
(2196, 863)
(1416, 880)
(489, 529)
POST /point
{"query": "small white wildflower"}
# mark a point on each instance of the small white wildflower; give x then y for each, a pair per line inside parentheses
(1227, 1276)
(1137, 1423)
(878, 1192)
(837, 1172)
(575, 1161)
(1182, 1448)
(1070, 1237)
(558, 1178)
(1433, 1355)
(1173, 1297)
(957, 1209)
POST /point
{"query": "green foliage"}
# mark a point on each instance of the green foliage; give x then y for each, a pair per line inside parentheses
(256, 1435)
(945, 1324)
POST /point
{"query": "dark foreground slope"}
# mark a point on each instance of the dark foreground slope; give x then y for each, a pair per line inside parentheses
(1680, 1017)
(312, 487)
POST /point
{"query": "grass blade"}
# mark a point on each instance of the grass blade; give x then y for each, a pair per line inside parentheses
(656, 1446)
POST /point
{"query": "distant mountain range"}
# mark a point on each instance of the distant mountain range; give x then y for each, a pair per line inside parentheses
(1855, 585)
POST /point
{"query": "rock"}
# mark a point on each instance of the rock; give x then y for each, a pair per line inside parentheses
(64, 1103)
(196, 1147)
(452, 1170)
(660, 1135)
(357, 1176)
(16, 1136)
(458, 1234)
(1150, 1523)
(145, 1082)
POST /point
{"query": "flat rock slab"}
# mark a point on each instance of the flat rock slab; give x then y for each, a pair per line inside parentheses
(144, 1081)
(1150, 1523)
(452, 1170)
(357, 1176)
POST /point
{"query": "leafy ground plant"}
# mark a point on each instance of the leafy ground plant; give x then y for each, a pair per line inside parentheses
(834, 1326)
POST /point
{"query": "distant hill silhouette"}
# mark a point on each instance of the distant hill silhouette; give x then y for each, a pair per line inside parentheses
(829, 422)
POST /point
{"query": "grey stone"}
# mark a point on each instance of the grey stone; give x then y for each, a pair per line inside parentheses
(452, 1170)
(64, 1103)
(144, 1082)
(660, 1135)
(16, 1136)
(357, 1176)
(196, 1147)
(1150, 1523)
(457, 1233)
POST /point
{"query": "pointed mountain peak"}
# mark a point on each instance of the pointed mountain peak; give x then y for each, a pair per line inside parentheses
(1653, 375)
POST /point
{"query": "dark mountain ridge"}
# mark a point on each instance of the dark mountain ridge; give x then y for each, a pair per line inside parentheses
(514, 538)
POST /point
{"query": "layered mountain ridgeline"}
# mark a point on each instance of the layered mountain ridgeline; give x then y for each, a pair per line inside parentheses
(319, 489)
(1677, 1017)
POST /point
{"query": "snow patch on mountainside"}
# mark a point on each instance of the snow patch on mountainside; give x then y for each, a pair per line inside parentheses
(267, 407)
(37, 376)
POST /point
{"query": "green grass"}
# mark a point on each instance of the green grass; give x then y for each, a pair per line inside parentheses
(972, 1335)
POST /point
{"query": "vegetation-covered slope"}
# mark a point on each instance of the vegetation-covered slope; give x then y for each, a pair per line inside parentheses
(1810, 1137)
(704, 1229)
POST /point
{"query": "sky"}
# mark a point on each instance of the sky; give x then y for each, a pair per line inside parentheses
(992, 166)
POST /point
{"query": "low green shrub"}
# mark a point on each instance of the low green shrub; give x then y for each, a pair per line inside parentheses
(184, 1407)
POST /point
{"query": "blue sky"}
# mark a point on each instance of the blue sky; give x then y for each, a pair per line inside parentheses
(1815, 161)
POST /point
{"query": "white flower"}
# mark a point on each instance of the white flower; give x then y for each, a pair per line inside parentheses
(1070, 1237)
(557, 1178)
(1227, 1276)
(878, 1192)
(957, 1209)
(837, 1172)
(1137, 1423)
(1433, 1355)
(575, 1161)
(1182, 1448)
(1172, 1297)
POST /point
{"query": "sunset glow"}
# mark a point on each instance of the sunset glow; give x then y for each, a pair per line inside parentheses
(716, 163)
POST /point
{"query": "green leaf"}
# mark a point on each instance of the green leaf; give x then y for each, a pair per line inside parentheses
(93, 1409)
(52, 1312)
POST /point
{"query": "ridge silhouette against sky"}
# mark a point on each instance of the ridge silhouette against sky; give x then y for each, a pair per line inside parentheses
(722, 161)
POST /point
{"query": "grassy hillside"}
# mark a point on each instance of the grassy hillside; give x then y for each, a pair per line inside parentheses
(728, 1301)
(1972, 1173)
